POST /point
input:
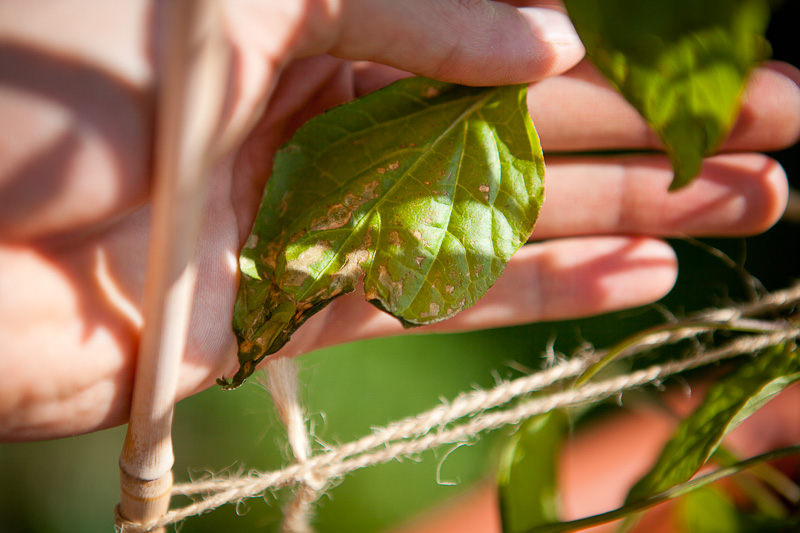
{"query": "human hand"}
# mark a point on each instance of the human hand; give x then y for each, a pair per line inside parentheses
(74, 182)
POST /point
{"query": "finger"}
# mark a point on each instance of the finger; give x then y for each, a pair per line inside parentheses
(736, 194)
(474, 43)
(580, 111)
(75, 115)
(554, 280)
(369, 77)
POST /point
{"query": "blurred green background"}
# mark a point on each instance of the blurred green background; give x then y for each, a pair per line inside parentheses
(71, 484)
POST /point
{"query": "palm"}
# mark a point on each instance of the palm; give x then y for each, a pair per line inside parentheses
(72, 271)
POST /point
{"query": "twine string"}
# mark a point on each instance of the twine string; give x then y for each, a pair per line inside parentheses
(481, 409)
(282, 384)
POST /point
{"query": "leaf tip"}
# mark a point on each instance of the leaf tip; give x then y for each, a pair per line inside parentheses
(246, 369)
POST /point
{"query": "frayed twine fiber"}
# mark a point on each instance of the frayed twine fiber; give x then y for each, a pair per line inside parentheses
(282, 384)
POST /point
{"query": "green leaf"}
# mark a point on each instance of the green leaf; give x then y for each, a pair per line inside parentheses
(727, 403)
(756, 485)
(708, 510)
(424, 190)
(528, 474)
(682, 64)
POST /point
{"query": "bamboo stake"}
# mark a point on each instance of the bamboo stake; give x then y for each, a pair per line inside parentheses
(191, 91)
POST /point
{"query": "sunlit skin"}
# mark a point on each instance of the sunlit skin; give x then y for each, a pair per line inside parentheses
(76, 101)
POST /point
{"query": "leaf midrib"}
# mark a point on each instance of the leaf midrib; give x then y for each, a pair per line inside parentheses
(359, 133)
(358, 226)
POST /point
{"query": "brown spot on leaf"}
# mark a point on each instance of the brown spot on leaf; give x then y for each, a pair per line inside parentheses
(270, 254)
(347, 276)
(449, 289)
(418, 260)
(298, 270)
(394, 166)
(393, 289)
(297, 236)
(340, 214)
(433, 311)
(485, 190)
(369, 190)
(371, 294)
(285, 203)
(252, 241)
(394, 238)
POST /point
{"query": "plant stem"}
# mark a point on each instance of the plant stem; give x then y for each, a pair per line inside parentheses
(191, 89)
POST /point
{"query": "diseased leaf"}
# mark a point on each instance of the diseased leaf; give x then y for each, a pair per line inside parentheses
(527, 478)
(423, 189)
(726, 405)
(682, 64)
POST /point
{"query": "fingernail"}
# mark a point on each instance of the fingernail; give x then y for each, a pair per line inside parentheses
(551, 26)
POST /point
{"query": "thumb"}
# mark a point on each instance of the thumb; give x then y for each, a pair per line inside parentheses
(475, 42)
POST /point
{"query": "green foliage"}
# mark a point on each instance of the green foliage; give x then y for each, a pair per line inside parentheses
(711, 510)
(681, 490)
(527, 479)
(763, 486)
(682, 64)
(728, 403)
(708, 510)
(423, 189)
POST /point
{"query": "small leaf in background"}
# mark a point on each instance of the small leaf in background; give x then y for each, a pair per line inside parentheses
(708, 510)
(682, 64)
(423, 189)
(763, 485)
(527, 480)
(727, 404)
